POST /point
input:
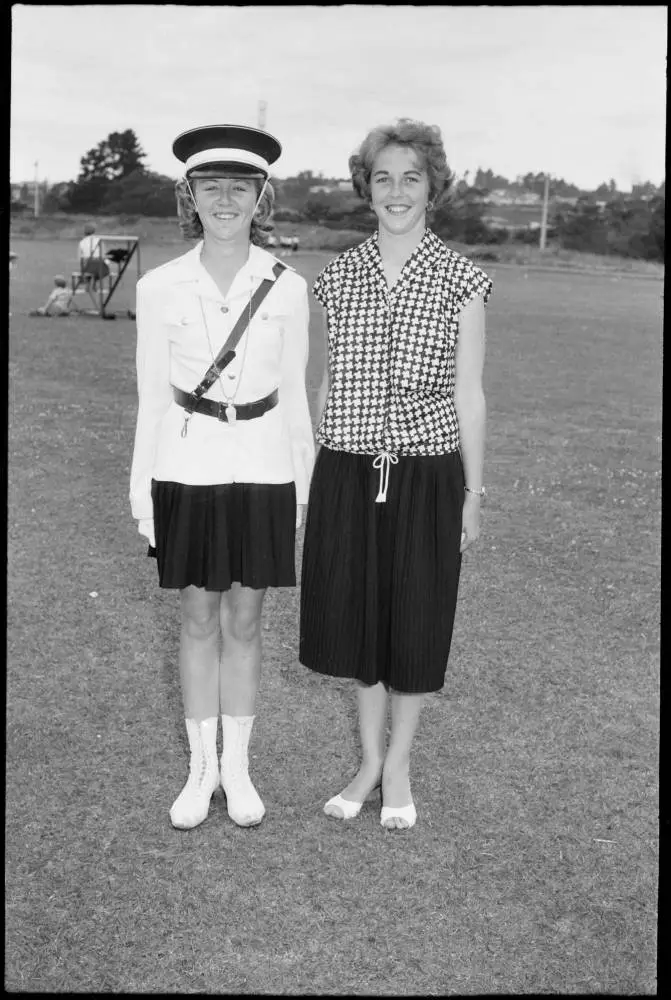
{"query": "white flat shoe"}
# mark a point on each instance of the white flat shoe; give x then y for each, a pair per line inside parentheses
(406, 813)
(341, 808)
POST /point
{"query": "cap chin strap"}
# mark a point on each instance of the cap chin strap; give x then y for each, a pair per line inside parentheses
(258, 200)
(190, 192)
(263, 189)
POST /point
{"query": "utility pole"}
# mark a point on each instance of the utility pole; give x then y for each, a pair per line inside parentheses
(262, 114)
(544, 217)
(36, 196)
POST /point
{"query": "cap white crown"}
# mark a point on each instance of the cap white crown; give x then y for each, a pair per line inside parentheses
(227, 155)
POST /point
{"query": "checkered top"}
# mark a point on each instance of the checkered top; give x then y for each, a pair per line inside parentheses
(391, 353)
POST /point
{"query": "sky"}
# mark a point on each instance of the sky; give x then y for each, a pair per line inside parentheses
(575, 91)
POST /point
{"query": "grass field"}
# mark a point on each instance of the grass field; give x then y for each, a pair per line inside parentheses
(533, 866)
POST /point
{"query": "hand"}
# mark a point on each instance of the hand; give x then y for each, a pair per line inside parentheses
(470, 521)
(299, 514)
(146, 528)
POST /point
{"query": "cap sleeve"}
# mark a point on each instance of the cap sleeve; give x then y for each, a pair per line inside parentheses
(474, 282)
(322, 288)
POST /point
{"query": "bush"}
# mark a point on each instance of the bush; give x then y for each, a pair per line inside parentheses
(498, 236)
(530, 237)
(485, 255)
(141, 193)
(286, 215)
(629, 227)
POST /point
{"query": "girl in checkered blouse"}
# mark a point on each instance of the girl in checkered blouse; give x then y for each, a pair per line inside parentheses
(396, 490)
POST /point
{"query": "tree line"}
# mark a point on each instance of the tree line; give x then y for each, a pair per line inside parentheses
(113, 179)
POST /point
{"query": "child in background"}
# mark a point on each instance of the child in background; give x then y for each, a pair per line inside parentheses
(59, 302)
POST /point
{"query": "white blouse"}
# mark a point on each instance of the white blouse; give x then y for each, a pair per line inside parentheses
(179, 307)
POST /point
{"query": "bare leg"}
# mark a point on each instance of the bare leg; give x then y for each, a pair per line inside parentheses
(240, 663)
(199, 652)
(372, 703)
(405, 712)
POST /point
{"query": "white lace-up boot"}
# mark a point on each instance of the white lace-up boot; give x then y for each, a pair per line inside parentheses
(242, 800)
(193, 803)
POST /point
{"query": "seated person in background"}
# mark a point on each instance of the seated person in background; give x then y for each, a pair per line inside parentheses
(89, 261)
(59, 302)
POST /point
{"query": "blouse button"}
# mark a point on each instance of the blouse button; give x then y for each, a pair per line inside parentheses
(224, 309)
(264, 315)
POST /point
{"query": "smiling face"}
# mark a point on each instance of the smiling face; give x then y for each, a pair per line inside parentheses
(225, 206)
(399, 188)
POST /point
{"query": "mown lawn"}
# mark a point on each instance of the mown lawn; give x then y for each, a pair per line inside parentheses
(533, 866)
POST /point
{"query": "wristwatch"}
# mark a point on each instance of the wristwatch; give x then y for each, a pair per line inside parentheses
(477, 493)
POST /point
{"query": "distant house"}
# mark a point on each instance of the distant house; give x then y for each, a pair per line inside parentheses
(500, 196)
(506, 196)
(22, 191)
(499, 222)
(331, 187)
(527, 198)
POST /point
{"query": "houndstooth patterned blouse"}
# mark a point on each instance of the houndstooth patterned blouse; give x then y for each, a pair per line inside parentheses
(391, 353)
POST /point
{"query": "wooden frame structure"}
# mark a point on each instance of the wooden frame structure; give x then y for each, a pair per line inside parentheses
(107, 284)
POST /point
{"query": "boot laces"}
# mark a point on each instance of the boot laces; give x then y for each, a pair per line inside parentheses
(236, 765)
(198, 769)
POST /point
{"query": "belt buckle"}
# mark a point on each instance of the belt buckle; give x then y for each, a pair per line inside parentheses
(231, 415)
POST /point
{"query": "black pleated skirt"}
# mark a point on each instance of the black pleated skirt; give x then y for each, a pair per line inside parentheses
(379, 580)
(213, 536)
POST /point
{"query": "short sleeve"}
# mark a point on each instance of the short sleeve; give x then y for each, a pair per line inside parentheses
(322, 288)
(474, 282)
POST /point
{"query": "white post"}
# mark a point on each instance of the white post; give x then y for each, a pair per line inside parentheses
(36, 196)
(544, 217)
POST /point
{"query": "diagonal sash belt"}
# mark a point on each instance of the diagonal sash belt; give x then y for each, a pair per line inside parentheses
(211, 408)
(227, 353)
(193, 399)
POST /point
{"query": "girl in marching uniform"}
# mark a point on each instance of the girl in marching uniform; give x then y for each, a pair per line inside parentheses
(223, 447)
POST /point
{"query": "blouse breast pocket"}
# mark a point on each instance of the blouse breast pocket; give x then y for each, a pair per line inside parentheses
(182, 320)
(266, 331)
(186, 338)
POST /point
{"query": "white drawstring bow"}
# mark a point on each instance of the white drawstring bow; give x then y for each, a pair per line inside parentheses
(383, 462)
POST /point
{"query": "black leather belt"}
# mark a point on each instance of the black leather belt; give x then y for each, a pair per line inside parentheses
(211, 408)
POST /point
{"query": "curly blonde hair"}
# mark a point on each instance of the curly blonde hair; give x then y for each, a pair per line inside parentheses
(191, 227)
(425, 140)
